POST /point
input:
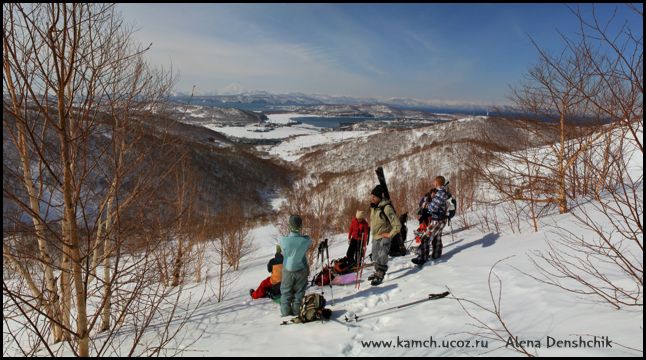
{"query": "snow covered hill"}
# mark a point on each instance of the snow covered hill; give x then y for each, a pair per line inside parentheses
(348, 163)
(533, 312)
(548, 321)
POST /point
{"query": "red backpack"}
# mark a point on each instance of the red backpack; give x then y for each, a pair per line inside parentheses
(323, 278)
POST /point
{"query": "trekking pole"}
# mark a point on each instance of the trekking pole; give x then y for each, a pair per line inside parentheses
(363, 260)
(329, 271)
(320, 255)
(452, 235)
(359, 262)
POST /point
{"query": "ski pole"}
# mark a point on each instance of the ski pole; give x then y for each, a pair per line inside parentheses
(429, 297)
(363, 261)
(359, 263)
(329, 271)
(452, 235)
(319, 259)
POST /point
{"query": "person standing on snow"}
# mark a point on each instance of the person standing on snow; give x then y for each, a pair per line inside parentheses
(384, 224)
(437, 213)
(295, 267)
(357, 237)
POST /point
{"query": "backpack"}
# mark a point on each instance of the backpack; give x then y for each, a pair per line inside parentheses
(341, 266)
(451, 205)
(311, 307)
(397, 244)
(324, 277)
(382, 214)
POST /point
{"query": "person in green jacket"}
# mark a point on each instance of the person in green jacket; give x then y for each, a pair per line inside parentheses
(384, 224)
(295, 267)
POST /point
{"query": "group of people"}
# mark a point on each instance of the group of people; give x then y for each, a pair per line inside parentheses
(290, 270)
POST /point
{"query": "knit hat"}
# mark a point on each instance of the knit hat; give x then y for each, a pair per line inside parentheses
(278, 249)
(295, 223)
(359, 214)
(378, 191)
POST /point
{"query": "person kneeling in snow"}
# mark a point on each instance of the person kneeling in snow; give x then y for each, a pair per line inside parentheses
(270, 287)
(295, 267)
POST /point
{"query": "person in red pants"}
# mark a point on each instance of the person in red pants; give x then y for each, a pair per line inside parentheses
(270, 287)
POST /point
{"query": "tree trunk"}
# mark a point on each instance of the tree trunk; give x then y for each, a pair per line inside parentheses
(562, 191)
(107, 283)
(70, 238)
(65, 286)
(50, 298)
(98, 243)
(179, 260)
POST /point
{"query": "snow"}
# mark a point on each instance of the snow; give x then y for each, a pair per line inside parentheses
(277, 203)
(240, 326)
(285, 119)
(256, 131)
(195, 112)
(294, 148)
(532, 311)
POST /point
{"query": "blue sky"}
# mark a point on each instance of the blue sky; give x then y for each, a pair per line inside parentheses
(458, 52)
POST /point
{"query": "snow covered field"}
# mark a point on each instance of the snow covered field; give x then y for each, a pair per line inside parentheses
(255, 131)
(285, 118)
(283, 127)
(533, 311)
(292, 149)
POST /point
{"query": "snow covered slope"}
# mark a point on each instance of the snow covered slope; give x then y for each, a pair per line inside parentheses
(533, 311)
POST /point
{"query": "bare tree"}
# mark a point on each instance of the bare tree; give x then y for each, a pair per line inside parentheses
(500, 331)
(316, 210)
(608, 264)
(79, 103)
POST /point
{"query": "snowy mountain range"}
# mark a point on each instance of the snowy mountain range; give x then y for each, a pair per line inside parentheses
(264, 99)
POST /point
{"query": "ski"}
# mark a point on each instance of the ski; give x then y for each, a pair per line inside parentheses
(429, 297)
(382, 181)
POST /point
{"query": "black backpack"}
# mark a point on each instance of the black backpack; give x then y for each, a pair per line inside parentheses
(397, 247)
(451, 206)
(397, 244)
(341, 266)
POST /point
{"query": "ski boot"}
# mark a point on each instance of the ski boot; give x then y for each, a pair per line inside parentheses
(377, 280)
(419, 260)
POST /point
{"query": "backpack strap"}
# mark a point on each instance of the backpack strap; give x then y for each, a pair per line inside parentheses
(382, 212)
